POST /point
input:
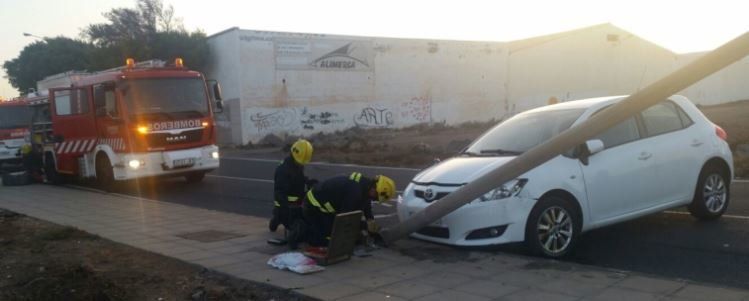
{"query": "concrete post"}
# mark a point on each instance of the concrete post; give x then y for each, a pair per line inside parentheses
(660, 90)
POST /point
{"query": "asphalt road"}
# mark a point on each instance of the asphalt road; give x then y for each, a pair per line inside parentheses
(670, 244)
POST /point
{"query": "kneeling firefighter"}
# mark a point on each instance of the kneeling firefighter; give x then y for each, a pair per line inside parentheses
(338, 195)
(290, 184)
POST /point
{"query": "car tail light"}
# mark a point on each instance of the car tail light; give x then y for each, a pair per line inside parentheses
(721, 133)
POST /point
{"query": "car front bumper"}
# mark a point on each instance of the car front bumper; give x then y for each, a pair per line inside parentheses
(162, 163)
(9, 154)
(475, 224)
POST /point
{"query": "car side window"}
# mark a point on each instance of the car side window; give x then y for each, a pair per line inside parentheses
(73, 102)
(661, 118)
(621, 133)
(624, 132)
(104, 100)
(685, 120)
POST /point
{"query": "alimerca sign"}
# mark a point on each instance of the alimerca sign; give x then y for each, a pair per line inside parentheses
(330, 55)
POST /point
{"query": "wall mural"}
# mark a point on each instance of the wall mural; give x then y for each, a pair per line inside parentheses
(374, 117)
(270, 121)
(309, 120)
(418, 108)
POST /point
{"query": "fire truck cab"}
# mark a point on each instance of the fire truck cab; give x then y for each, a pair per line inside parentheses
(130, 122)
(14, 128)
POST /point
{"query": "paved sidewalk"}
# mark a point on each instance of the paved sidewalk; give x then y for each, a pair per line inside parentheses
(236, 245)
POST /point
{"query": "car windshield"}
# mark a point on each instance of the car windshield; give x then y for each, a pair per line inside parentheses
(13, 117)
(522, 132)
(166, 98)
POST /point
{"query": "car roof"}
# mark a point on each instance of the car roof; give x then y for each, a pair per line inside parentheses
(580, 104)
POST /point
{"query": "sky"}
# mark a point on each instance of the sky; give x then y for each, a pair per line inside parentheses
(681, 26)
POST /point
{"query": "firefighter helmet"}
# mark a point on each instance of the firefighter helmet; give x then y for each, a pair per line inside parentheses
(385, 188)
(301, 151)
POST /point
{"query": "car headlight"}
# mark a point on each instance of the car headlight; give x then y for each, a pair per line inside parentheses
(214, 155)
(135, 164)
(511, 188)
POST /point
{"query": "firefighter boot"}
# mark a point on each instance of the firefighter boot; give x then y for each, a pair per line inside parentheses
(295, 235)
(275, 220)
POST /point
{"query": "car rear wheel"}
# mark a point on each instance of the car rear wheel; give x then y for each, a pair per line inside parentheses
(552, 228)
(711, 195)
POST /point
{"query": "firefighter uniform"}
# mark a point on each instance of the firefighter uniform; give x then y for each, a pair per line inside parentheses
(338, 195)
(289, 186)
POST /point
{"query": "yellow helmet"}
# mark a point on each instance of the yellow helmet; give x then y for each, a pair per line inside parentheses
(301, 151)
(385, 188)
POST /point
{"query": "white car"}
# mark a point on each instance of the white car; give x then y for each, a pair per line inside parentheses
(667, 156)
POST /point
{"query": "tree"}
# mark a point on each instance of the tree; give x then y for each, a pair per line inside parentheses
(43, 58)
(150, 31)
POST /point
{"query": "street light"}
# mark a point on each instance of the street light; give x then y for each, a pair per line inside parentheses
(26, 34)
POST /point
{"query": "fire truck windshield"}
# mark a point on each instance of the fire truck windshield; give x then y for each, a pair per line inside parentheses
(13, 117)
(168, 97)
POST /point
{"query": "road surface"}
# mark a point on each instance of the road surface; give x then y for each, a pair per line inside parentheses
(670, 244)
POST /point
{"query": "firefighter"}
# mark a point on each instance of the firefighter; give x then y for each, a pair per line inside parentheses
(290, 184)
(31, 155)
(338, 195)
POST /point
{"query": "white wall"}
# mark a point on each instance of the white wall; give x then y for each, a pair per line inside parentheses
(224, 55)
(724, 86)
(301, 84)
(600, 61)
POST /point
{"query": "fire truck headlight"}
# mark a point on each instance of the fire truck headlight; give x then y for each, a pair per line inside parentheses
(135, 164)
(142, 129)
(214, 155)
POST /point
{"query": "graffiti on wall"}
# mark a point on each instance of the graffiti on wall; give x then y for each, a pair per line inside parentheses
(275, 120)
(310, 120)
(374, 117)
(418, 109)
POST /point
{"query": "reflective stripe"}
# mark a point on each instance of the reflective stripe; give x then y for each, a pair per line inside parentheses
(328, 208)
(327, 237)
(292, 198)
(355, 176)
(312, 200)
(276, 203)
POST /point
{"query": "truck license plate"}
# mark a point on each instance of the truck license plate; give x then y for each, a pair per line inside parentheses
(187, 162)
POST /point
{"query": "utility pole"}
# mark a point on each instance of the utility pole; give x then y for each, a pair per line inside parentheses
(637, 102)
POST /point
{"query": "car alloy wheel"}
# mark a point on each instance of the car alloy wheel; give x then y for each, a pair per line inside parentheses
(555, 230)
(714, 193)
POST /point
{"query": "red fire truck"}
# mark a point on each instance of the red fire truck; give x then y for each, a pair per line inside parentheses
(140, 120)
(14, 128)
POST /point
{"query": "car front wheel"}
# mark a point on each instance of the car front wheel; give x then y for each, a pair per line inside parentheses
(552, 228)
(711, 195)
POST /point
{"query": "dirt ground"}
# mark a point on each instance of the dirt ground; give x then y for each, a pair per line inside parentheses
(44, 261)
(734, 119)
(419, 146)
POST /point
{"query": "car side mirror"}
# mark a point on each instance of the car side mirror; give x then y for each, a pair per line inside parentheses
(217, 91)
(219, 106)
(587, 149)
(594, 146)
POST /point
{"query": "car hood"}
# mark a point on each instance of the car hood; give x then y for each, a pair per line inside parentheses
(460, 170)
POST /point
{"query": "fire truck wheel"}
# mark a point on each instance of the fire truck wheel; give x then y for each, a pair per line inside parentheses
(50, 171)
(104, 173)
(195, 177)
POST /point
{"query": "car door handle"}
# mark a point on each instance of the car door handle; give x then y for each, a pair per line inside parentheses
(696, 143)
(645, 156)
